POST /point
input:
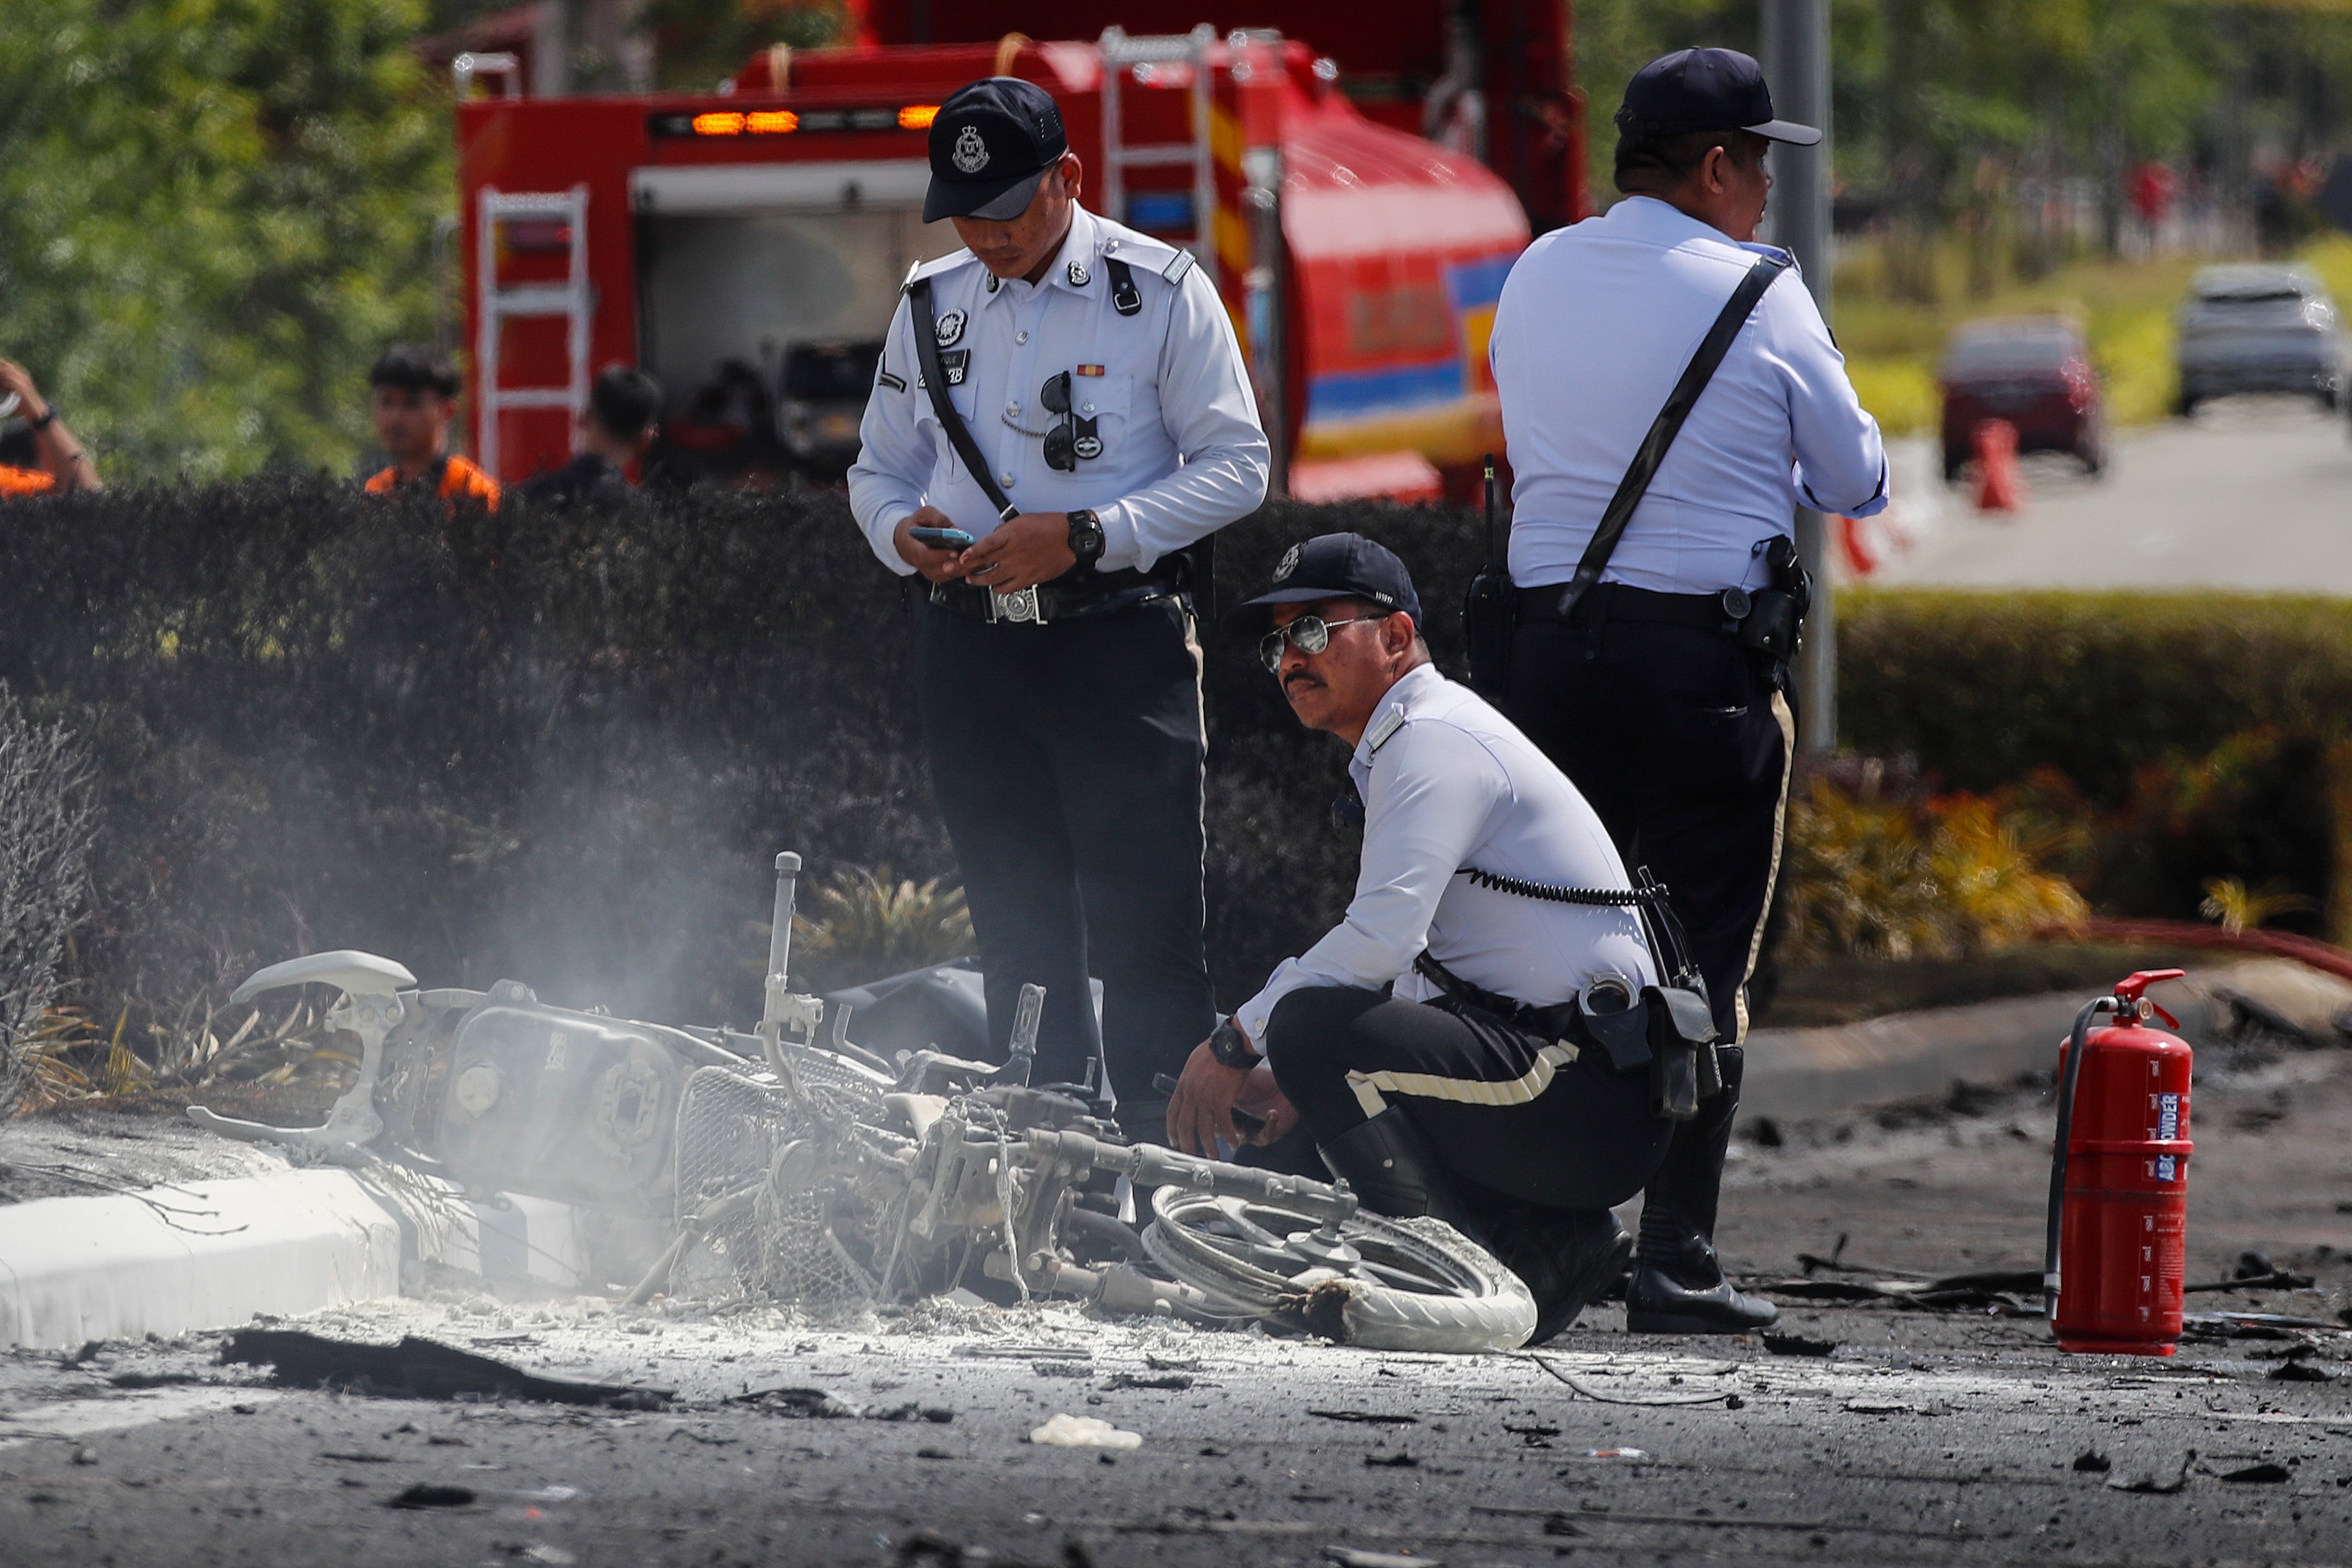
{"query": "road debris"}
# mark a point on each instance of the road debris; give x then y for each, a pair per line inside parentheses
(1173, 1381)
(414, 1369)
(1065, 1431)
(1588, 1392)
(1367, 1418)
(427, 1494)
(2266, 1474)
(2160, 1483)
(1797, 1344)
(1349, 1557)
(2094, 1462)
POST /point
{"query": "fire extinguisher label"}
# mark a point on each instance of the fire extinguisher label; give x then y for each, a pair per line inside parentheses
(2164, 1168)
(2168, 1116)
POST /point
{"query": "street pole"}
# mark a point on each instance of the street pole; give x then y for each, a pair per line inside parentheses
(1794, 49)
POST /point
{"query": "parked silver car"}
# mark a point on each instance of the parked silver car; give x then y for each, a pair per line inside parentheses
(2251, 328)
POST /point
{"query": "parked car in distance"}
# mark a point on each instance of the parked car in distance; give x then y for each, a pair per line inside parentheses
(2034, 372)
(823, 398)
(2251, 328)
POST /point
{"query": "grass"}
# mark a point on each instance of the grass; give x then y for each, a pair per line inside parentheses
(2125, 308)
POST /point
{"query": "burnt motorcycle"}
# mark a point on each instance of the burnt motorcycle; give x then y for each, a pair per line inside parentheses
(788, 1163)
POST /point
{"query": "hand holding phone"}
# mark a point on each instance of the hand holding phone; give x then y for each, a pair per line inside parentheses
(941, 537)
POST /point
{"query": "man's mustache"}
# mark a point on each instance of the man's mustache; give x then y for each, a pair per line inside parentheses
(1300, 677)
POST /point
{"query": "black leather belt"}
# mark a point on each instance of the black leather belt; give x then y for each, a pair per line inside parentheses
(1623, 602)
(1080, 594)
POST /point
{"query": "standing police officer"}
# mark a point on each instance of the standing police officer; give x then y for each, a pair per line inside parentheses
(1069, 393)
(1649, 687)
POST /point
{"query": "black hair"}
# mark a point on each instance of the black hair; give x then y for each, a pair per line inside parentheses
(624, 401)
(417, 369)
(1654, 159)
(17, 448)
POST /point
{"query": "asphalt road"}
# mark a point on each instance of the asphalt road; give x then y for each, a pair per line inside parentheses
(1924, 1437)
(2251, 494)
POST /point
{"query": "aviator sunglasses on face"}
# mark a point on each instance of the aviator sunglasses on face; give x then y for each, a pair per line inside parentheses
(1310, 635)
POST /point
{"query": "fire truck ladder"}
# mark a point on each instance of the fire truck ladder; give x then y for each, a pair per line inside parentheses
(1123, 55)
(570, 299)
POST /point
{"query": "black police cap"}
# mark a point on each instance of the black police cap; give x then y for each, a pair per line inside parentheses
(1332, 566)
(1705, 89)
(991, 142)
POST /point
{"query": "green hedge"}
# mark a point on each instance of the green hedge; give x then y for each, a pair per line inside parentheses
(558, 748)
(1984, 688)
(2199, 735)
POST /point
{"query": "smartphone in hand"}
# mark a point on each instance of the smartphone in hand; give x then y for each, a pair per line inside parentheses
(941, 537)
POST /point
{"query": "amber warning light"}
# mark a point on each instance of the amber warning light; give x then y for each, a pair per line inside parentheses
(784, 121)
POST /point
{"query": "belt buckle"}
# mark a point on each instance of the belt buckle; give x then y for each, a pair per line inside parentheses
(1023, 605)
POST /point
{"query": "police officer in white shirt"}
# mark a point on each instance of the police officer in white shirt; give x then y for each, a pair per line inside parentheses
(1650, 691)
(1473, 1093)
(1091, 419)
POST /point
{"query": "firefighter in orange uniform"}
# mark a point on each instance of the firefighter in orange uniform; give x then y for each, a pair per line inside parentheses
(57, 460)
(412, 394)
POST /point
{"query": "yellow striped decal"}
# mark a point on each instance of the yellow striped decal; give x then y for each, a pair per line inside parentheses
(1369, 1087)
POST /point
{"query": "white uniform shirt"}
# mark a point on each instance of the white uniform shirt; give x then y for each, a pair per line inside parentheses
(1449, 784)
(1596, 324)
(1183, 451)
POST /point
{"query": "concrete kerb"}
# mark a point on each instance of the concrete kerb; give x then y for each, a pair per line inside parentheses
(199, 1255)
(1796, 1073)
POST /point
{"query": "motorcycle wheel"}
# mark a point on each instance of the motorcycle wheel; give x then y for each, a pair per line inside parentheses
(1388, 1284)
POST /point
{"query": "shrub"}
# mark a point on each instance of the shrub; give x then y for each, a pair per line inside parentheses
(47, 824)
(1983, 688)
(563, 748)
(1870, 876)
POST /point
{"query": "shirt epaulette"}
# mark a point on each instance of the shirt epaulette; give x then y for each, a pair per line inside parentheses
(936, 266)
(1383, 731)
(1169, 261)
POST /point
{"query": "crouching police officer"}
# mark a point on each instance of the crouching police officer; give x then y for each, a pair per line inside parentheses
(1493, 898)
(1061, 409)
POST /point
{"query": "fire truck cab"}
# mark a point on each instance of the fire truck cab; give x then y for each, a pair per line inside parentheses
(747, 246)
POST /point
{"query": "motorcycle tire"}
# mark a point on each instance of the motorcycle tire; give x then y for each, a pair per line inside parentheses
(1393, 1285)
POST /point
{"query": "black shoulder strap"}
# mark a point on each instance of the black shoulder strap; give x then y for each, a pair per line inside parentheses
(935, 381)
(1668, 425)
(1498, 547)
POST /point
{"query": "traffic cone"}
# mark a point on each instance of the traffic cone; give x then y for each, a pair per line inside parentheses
(1999, 488)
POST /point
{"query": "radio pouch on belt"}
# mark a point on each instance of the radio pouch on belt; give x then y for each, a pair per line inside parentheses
(1490, 614)
(935, 382)
(1675, 1034)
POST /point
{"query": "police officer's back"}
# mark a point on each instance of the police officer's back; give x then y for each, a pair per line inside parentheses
(1660, 687)
(1069, 393)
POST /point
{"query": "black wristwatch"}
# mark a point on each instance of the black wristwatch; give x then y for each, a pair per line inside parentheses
(44, 421)
(1232, 1048)
(1086, 540)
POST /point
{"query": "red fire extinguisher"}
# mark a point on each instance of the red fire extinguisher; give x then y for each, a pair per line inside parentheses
(2119, 1179)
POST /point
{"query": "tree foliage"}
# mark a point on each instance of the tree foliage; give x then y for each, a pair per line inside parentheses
(1932, 99)
(217, 211)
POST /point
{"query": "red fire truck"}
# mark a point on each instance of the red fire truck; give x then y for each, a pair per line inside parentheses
(746, 245)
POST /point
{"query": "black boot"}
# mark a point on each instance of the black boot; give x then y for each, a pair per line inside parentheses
(1394, 1171)
(1678, 1286)
(1566, 1258)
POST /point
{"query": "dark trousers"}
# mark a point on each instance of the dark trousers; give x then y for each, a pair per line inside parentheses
(1500, 1110)
(1067, 762)
(1682, 744)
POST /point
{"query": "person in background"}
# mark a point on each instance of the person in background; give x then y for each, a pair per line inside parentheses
(412, 395)
(615, 431)
(43, 456)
